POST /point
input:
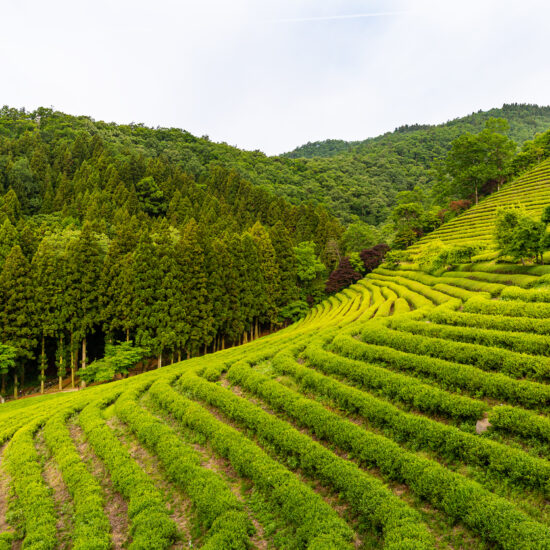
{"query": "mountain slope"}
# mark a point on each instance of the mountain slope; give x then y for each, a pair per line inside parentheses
(531, 190)
(355, 178)
(408, 411)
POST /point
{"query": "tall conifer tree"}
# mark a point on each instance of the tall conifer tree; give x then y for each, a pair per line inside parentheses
(17, 312)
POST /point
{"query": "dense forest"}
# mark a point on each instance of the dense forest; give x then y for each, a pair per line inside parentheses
(363, 178)
(103, 240)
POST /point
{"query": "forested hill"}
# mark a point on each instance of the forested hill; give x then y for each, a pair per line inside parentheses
(355, 178)
(525, 121)
(363, 177)
(112, 233)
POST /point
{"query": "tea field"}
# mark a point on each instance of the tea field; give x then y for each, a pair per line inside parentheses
(409, 411)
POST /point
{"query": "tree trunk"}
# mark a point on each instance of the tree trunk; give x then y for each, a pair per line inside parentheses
(74, 359)
(127, 335)
(245, 337)
(476, 192)
(3, 383)
(188, 355)
(172, 359)
(159, 364)
(179, 355)
(223, 341)
(15, 393)
(42, 366)
(60, 378)
(205, 349)
(83, 383)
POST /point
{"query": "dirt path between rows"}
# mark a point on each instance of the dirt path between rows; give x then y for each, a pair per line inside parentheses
(116, 507)
(63, 502)
(179, 505)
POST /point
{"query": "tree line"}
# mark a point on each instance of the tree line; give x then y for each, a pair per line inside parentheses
(102, 241)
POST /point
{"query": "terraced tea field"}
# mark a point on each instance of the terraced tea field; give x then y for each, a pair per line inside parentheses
(532, 191)
(407, 412)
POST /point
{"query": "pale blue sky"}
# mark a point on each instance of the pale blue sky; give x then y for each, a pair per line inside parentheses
(274, 74)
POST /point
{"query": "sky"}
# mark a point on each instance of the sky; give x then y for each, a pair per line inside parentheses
(274, 74)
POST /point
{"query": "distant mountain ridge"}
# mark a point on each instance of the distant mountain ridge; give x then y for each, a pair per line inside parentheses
(517, 114)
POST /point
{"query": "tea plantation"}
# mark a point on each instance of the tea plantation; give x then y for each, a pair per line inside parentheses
(409, 411)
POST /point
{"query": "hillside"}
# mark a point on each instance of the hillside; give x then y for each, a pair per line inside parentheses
(525, 121)
(349, 178)
(531, 191)
(410, 411)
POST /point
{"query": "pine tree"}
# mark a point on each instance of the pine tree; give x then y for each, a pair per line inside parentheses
(8, 239)
(170, 303)
(85, 263)
(11, 206)
(117, 287)
(17, 312)
(253, 287)
(270, 274)
(286, 260)
(147, 280)
(195, 292)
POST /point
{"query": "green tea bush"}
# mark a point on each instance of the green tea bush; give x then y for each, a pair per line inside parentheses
(492, 517)
(314, 521)
(449, 375)
(376, 505)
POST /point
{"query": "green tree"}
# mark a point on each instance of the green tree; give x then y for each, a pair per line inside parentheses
(8, 356)
(151, 196)
(310, 271)
(270, 274)
(17, 311)
(147, 279)
(518, 235)
(475, 159)
(286, 260)
(360, 235)
(198, 308)
(8, 239)
(85, 263)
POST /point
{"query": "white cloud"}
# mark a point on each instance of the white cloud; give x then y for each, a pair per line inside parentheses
(274, 74)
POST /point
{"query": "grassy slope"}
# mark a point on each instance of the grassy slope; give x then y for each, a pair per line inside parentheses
(355, 427)
(531, 191)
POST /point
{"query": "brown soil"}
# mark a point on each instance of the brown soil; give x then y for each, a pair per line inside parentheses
(116, 507)
(61, 496)
(179, 505)
(483, 424)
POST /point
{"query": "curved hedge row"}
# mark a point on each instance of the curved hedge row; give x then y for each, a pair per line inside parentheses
(216, 507)
(526, 295)
(400, 525)
(150, 524)
(520, 342)
(512, 308)
(34, 496)
(317, 526)
(92, 529)
(449, 375)
(511, 363)
(520, 422)
(399, 387)
(480, 320)
(492, 517)
(425, 433)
